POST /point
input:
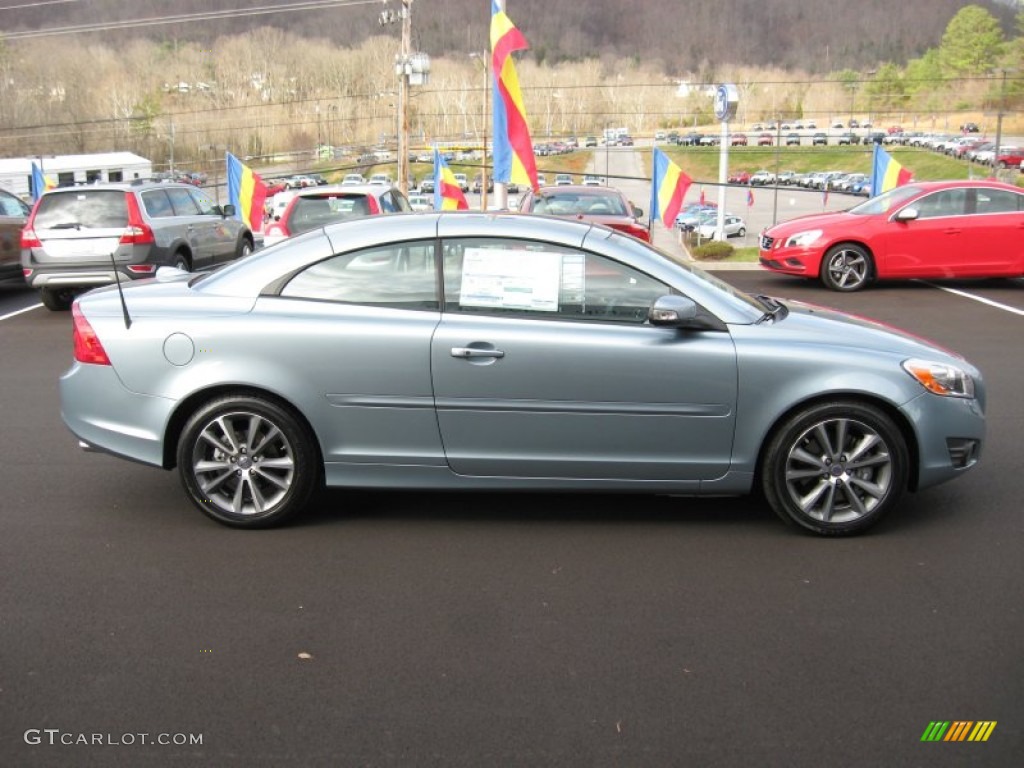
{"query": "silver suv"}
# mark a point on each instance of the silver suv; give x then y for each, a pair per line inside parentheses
(77, 236)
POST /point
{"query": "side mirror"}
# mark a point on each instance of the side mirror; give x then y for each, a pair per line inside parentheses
(682, 312)
(638, 213)
(907, 214)
(229, 210)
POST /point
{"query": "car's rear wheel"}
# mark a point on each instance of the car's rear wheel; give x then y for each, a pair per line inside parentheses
(742, 232)
(56, 300)
(247, 462)
(835, 468)
(244, 248)
(181, 262)
(846, 267)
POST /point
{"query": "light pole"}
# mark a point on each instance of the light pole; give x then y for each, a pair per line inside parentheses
(482, 56)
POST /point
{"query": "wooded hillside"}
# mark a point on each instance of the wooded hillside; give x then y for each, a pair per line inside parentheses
(672, 35)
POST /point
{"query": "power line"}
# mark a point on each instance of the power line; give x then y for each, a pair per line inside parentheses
(36, 4)
(181, 18)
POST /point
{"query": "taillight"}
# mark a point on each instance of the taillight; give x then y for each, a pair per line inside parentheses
(29, 239)
(27, 273)
(141, 269)
(88, 348)
(137, 232)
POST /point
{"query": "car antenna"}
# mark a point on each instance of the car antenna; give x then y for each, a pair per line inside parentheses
(120, 292)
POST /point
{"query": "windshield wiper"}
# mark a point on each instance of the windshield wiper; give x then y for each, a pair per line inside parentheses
(67, 225)
(772, 305)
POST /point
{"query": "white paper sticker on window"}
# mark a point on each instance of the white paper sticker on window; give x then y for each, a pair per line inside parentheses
(507, 279)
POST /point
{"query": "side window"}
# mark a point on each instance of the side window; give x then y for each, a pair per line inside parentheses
(948, 202)
(205, 204)
(997, 201)
(387, 203)
(525, 278)
(400, 276)
(157, 204)
(182, 202)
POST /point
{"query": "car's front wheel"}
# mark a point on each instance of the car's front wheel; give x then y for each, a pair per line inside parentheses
(247, 462)
(835, 468)
(846, 267)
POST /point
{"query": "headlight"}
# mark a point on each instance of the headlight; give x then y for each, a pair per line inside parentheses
(940, 378)
(803, 238)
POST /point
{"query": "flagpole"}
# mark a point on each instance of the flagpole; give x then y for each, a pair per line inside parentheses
(500, 187)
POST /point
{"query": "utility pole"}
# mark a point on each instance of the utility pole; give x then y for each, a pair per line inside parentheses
(403, 97)
(412, 69)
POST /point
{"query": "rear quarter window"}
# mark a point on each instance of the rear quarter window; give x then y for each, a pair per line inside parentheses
(91, 209)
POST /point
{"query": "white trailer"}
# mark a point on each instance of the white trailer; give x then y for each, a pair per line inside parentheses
(68, 170)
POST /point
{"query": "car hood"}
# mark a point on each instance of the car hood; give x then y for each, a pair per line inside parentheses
(813, 221)
(812, 323)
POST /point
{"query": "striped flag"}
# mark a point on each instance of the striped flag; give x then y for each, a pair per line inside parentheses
(247, 192)
(886, 173)
(513, 148)
(447, 192)
(668, 188)
(40, 183)
(750, 198)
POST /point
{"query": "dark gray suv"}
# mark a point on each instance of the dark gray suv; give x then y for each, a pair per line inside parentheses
(76, 237)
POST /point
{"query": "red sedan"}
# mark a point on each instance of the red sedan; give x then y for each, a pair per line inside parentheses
(318, 206)
(938, 229)
(600, 205)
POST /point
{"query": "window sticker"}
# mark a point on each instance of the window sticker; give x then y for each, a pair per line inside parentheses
(506, 279)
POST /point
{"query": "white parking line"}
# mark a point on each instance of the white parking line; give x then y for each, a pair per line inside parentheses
(971, 296)
(9, 315)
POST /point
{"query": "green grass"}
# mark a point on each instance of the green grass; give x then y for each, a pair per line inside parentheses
(702, 163)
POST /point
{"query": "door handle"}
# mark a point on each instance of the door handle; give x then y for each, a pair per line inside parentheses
(952, 231)
(466, 353)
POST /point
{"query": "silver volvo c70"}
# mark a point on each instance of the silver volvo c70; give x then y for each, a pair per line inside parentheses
(508, 351)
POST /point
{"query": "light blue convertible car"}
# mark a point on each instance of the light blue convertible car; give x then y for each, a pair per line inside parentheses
(509, 351)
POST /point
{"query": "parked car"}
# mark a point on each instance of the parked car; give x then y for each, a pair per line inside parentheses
(793, 140)
(939, 229)
(763, 177)
(740, 177)
(819, 139)
(733, 226)
(462, 180)
(421, 202)
(970, 128)
(849, 139)
(491, 352)
(787, 177)
(1009, 157)
(427, 185)
(13, 214)
(319, 206)
(738, 140)
(78, 238)
(765, 140)
(590, 141)
(380, 178)
(591, 181)
(563, 179)
(690, 215)
(605, 205)
(353, 179)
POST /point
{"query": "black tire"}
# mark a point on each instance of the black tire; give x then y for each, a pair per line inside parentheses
(56, 300)
(247, 462)
(742, 232)
(847, 267)
(181, 262)
(244, 248)
(835, 468)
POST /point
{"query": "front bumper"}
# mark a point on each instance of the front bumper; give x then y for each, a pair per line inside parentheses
(950, 436)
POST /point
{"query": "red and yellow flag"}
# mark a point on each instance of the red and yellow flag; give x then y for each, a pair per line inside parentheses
(513, 147)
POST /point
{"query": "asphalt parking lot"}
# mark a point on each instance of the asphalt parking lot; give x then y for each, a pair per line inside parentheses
(502, 629)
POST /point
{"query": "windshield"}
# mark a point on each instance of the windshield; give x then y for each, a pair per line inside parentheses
(886, 201)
